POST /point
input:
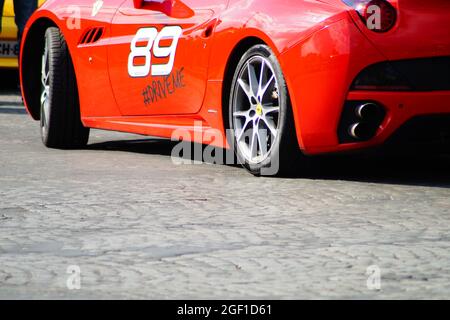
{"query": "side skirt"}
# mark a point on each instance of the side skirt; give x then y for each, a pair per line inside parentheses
(188, 128)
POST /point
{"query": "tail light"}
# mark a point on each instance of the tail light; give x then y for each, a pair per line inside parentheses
(377, 15)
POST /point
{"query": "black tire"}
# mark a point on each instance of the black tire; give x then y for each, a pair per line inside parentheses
(284, 156)
(61, 125)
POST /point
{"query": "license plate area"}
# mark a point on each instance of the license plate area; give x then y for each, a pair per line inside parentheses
(9, 49)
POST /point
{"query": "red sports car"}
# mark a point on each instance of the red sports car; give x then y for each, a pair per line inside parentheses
(287, 78)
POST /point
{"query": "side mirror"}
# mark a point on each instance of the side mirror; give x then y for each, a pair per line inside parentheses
(172, 8)
(138, 3)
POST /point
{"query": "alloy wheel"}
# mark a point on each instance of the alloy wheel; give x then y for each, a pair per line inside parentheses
(256, 109)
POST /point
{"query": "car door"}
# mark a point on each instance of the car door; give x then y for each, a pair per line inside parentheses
(159, 55)
(87, 30)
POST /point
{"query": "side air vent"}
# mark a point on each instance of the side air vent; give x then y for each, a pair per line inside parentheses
(91, 35)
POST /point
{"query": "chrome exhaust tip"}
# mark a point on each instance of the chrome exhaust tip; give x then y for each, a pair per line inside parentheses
(360, 120)
(368, 111)
(359, 131)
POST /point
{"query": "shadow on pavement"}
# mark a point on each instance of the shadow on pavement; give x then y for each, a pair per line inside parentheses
(10, 102)
(9, 81)
(6, 110)
(412, 168)
(427, 169)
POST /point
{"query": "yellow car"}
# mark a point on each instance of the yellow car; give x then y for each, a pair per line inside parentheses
(9, 47)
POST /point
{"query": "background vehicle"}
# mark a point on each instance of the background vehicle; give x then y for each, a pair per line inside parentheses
(9, 47)
(319, 76)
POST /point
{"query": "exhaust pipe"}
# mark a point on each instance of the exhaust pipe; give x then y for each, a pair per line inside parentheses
(368, 111)
(360, 120)
(360, 131)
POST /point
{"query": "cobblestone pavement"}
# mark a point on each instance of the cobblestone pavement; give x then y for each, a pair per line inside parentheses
(138, 226)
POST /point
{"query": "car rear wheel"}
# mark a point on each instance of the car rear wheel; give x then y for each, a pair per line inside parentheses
(260, 115)
(60, 119)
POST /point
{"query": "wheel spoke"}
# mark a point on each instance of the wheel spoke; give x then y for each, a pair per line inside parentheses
(44, 72)
(43, 97)
(261, 75)
(240, 113)
(254, 143)
(44, 102)
(47, 106)
(246, 89)
(262, 140)
(244, 127)
(45, 114)
(44, 79)
(264, 89)
(270, 125)
(43, 120)
(271, 109)
(253, 80)
(44, 117)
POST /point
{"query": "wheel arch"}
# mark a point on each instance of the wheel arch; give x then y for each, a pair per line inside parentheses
(32, 48)
(233, 60)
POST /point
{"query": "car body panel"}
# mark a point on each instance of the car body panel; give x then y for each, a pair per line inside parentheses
(321, 45)
(182, 91)
(422, 30)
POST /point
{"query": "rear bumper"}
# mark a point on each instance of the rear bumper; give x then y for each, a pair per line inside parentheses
(320, 71)
(400, 107)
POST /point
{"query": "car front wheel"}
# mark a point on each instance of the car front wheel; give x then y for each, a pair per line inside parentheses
(60, 119)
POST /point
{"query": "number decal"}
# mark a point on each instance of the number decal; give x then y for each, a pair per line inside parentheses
(144, 34)
(173, 32)
(153, 41)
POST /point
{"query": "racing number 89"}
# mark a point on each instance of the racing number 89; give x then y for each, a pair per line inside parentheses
(153, 40)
